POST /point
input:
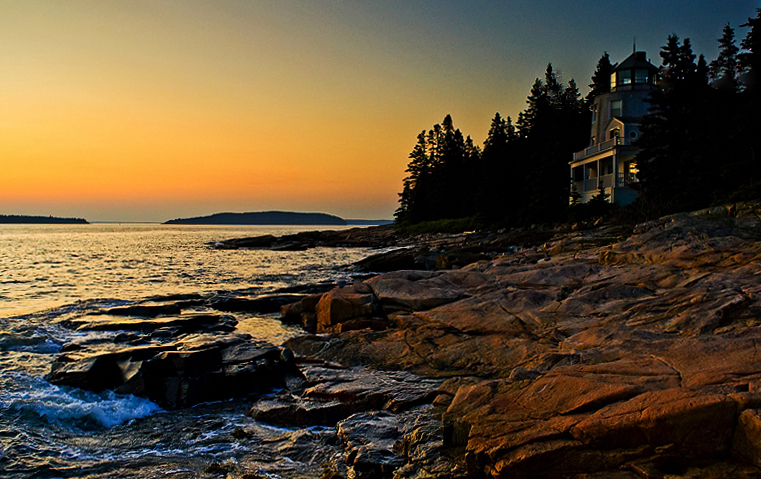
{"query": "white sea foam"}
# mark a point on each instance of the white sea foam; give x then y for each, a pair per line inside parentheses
(70, 405)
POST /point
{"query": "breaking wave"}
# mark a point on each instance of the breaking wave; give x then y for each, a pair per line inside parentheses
(28, 395)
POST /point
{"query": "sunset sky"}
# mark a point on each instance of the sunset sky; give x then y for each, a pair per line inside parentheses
(151, 110)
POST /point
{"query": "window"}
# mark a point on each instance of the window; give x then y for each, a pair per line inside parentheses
(606, 166)
(625, 77)
(615, 108)
(594, 113)
(640, 76)
(614, 133)
(613, 81)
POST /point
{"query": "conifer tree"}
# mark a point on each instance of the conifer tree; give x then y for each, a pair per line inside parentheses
(601, 78)
(417, 183)
(724, 69)
(679, 161)
(512, 132)
(750, 58)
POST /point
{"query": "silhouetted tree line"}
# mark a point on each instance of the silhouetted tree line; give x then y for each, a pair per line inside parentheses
(700, 139)
(700, 144)
(520, 175)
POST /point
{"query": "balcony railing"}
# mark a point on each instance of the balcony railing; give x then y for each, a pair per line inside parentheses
(593, 184)
(627, 178)
(603, 146)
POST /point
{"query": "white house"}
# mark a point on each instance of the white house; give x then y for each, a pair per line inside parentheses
(608, 162)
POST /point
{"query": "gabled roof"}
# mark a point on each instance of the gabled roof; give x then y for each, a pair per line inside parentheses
(636, 60)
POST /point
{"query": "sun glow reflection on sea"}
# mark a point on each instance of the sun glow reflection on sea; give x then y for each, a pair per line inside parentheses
(47, 266)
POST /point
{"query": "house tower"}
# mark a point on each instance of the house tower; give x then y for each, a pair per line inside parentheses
(608, 162)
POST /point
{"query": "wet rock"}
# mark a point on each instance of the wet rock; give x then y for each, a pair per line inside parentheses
(369, 439)
(264, 241)
(145, 311)
(303, 312)
(367, 390)
(196, 369)
(290, 246)
(423, 447)
(399, 259)
(263, 304)
(332, 394)
(296, 411)
(173, 325)
(99, 371)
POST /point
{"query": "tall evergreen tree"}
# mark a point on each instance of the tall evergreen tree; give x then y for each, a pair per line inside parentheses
(556, 124)
(665, 129)
(601, 78)
(725, 68)
(491, 194)
(417, 183)
(750, 59)
(687, 160)
(512, 131)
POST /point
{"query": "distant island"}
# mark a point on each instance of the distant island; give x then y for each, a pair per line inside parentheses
(44, 220)
(262, 218)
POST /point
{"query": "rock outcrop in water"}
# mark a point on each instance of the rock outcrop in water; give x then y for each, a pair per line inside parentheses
(194, 369)
(176, 360)
(374, 236)
(633, 359)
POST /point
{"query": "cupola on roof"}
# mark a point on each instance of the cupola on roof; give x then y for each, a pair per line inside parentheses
(637, 60)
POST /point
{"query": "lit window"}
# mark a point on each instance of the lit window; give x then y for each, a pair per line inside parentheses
(625, 77)
(616, 108)
(613, 81)
(640, 76)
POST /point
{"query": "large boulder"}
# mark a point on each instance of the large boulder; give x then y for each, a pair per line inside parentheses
(398, 259)
(197, 369)
(409, 290)
(342, 304)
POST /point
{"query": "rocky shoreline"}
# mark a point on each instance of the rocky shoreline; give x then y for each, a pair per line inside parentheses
(604, 353)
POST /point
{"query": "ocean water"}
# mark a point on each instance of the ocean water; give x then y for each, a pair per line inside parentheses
(53, 273)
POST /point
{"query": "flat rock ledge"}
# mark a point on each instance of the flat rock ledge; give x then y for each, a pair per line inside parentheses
(577, 359)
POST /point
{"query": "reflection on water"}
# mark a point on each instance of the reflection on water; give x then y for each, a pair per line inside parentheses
(52, 273)
(46, 266)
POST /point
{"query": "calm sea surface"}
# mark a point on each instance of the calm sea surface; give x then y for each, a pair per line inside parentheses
(54, 272)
